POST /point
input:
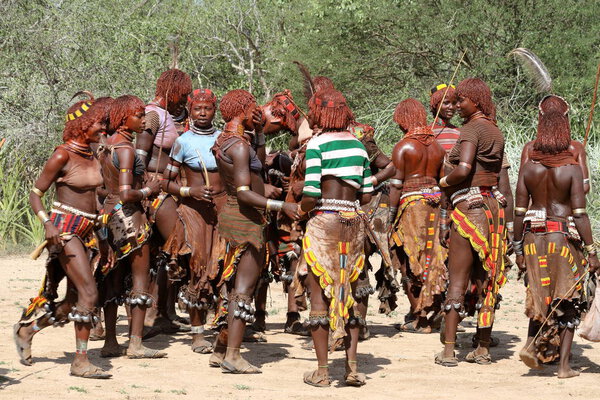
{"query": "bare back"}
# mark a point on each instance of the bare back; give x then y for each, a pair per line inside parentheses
(417, 160)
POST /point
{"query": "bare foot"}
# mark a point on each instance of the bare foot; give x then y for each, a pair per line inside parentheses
(568, 373)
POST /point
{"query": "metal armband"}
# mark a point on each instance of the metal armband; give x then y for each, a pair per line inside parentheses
(242, 188)
(577, 212)
(184, 191)
(520, 211)
(43, 216)
(274, 205)
(37, 191)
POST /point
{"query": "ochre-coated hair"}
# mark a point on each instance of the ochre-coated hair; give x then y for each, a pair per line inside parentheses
(200, 95)
(554, 130)
(329, 111)
(106, 104)
(410, 114)
(77, 128)
(479, 93)
(436, 98)
(234, 103)
(123, 107)
(173, 84)
(322, 83)
(280, 109)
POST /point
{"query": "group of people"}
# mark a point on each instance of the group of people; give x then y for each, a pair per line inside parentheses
(155, 205)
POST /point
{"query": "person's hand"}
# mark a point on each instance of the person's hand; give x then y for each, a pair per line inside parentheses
(257, 119)
(52, 235)
(154, 185)
(202, 193)
(285, 182)
(520, 261)
(291, 210)
(444, 235)
(593, 263)
(107, 256)
(272, 192)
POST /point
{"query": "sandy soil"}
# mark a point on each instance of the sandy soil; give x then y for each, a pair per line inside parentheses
(397, 366)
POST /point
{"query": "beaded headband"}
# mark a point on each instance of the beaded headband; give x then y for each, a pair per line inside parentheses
(78, 113)
(440, 87)
(327, 103)
(210, 96)
(289, 106)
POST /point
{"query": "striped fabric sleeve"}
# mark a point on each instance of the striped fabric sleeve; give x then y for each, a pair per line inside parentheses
(367, 181)
(312, 179)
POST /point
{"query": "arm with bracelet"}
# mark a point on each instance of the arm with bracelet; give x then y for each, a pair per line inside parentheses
(127, 193)
(169, 181)
(464, 167)
(582, 221)
(243, 181)
(49, 175)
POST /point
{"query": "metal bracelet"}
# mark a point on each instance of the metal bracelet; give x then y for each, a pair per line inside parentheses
(465, 164)
(590, 248)
(124, 187)
(586, 181)
(37, 191)
(145, 192)
(43, 216)
(184, 191)
(510, 226)
(443, 182)
(444, 213)
(242, 188)
(172, 168)
(274, 205)
(579, 211)
(141, 152)
(520, 210)
(396, 182)
(518, 247)
(444, 227)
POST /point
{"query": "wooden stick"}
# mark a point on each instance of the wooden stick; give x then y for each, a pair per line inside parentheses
(2, 142)
(204, 170)
(437, 114)
(568, 293)
(591, 116)
(35, 254)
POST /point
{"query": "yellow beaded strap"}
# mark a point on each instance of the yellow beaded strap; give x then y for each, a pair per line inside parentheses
(79, 112)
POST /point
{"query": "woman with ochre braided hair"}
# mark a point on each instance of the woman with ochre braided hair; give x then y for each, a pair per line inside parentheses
(128, 229)
(445, 132)
(195, 233)
(547, 247)
(69, 232)
(415, 199)
(338, 181)
(242, 224)
(477, 234)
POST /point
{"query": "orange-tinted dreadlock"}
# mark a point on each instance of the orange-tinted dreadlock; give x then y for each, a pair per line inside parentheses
(76, 129)
(410, 114)
(283, 107)
(554, 130)
(172, 85)
(123, 107)
(479, 93)
(234, 103)
(322, 83)
(329, 111)
(436, 98)
(199, 95)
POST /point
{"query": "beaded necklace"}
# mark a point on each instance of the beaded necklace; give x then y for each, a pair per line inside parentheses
(78, 148)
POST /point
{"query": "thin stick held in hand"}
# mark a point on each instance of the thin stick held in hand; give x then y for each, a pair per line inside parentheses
(204, 170)
(591, 116)
(437, 113)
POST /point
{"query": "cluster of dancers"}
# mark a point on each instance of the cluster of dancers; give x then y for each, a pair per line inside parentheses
(156, 206)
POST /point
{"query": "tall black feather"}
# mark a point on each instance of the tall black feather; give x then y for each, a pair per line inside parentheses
(309, 88)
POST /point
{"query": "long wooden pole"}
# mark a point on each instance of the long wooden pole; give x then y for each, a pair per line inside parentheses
(447, 88)
(591, 116)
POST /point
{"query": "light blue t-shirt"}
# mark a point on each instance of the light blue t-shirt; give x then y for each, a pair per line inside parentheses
(187, 147)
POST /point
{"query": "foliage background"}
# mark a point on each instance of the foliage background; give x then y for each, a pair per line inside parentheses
(378, 52)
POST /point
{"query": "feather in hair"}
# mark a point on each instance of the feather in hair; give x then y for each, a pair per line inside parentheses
(309, 88)
(174, 48)
(534, 67)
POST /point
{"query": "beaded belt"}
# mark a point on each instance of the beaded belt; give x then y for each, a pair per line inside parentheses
(72, 210)
(431, 190)
(336, 205)
(474, 195)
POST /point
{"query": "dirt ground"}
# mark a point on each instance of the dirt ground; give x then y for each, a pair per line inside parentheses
(397, 366)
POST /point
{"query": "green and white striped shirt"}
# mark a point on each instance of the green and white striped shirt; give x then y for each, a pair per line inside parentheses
(337, 154)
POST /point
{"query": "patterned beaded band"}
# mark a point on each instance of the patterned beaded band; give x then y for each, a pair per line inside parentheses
(78, 113)
(242, 188)
(37, 191)
(184, 191)
(274, 205)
